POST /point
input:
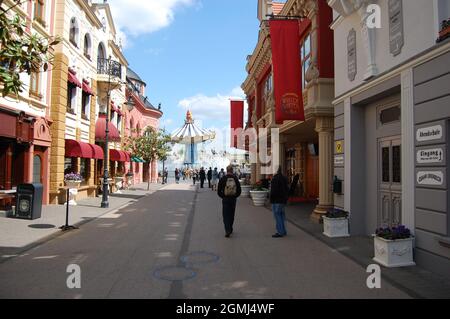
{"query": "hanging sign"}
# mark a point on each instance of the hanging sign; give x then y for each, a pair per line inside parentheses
(286, 68)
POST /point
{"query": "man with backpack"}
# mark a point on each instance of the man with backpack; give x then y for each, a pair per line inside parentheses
(229, 190)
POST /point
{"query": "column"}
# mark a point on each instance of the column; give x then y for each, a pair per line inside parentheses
(9, 156)
(325, 129)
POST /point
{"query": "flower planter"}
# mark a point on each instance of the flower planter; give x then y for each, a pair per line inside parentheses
(245, 190)
(259, 197)
(73, 191)
(335, 227)
(118, 182)
(394, 253)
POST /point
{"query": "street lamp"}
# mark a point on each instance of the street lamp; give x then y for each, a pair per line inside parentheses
(105, 202)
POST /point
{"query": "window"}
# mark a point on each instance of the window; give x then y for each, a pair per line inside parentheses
(34, 85)
(268, 84)
(70, 165)
(39, 11)
(305, 52)
(71, 97)
(119, 122)
(85, 105)
(390, 115)
(85, 169)
(87, 46)
(73, 33)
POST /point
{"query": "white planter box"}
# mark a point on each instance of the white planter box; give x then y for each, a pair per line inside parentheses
(394, 253)
(245, 190)
(73, 191)
(259, 197)
(335, 227)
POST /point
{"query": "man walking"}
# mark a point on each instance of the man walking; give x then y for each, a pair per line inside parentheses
(229, 190)
(202, 177)
(279, 194)
(209, 176)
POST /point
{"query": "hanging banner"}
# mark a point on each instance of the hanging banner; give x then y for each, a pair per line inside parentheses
(237, 120)
(286, 66)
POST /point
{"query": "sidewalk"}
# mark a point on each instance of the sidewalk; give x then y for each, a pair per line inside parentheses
(416, 281)
(19, 235)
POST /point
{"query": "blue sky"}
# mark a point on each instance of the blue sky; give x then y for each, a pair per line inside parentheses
(191, 53)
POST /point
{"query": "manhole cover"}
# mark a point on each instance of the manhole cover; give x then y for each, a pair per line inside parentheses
(200, 257)
(174, 273)
(42, 226)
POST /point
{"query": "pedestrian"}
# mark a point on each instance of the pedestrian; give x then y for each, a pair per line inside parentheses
(221, 173)
(215, 177)
(209, 176)
(279, 194)
(202, 177)
(229, 190)
(194, 176)
(177, 176)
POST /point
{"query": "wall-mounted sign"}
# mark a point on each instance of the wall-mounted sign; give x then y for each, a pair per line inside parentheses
(351, 54)
(396, 36)
(339, 160)
(339, 147)
(429, 133)
(432, 178)
(430, 156)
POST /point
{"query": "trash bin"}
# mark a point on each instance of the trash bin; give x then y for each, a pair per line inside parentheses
(29, 201)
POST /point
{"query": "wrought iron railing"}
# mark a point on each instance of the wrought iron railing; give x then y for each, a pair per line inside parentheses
(114, 68)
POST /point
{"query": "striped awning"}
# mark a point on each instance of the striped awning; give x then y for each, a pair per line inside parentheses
(191, 133)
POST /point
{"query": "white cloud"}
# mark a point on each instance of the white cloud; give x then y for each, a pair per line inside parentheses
(211, 108)
(136, 17)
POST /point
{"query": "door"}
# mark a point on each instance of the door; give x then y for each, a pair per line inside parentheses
(389, 182)
(37, 169)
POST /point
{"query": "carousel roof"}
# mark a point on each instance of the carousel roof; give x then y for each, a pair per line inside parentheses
(191, 133)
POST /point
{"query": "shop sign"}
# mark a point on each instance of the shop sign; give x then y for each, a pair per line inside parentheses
(429, 133)
(339, 160)
(339, 147)
(430, 156)
(432, 178)
(351, 55)
(396, 36)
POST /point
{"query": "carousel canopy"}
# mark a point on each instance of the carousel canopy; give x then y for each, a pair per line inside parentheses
(191, 133)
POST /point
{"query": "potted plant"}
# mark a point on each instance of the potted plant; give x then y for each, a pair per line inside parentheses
(335, 223)
(118, 179)
(246, 187)
(259, 194)
(73, 181)
(394, 246)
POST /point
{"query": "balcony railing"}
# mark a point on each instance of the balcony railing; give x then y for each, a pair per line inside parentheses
(114, 69)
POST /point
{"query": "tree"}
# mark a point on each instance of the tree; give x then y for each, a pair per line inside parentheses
(153, 145)
(20, 51)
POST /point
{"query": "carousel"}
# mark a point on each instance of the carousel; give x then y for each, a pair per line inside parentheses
(191, 135)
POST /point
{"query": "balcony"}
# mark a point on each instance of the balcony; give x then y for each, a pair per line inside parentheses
(109, 74)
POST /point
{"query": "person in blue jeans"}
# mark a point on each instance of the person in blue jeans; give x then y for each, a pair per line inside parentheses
(279, 195)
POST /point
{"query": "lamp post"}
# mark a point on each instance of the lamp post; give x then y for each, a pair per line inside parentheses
(105, 201)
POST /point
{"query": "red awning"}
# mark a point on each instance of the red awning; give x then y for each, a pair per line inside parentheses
(86, 88)
(72, 78)
(100, 126)
(119, 156)
(83, 150)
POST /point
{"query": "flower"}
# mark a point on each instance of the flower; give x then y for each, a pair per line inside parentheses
(336, 213)
(73, 177)
(259, 186)
(393, 233)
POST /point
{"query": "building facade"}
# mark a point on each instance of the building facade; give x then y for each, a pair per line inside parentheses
(25, 137)
(140, 115)
(391, 119)
(88, 83)
(305, 147)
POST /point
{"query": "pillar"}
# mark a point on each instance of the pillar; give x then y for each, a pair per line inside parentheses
(92, 177)
(325, 129)
(58, 128)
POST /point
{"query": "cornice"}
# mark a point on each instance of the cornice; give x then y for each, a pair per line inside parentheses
(118, 52)
(90, 13)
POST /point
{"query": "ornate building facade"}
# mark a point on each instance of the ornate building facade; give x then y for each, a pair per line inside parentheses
(305, 147)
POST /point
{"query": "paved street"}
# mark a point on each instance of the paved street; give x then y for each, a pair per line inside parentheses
(171, 244)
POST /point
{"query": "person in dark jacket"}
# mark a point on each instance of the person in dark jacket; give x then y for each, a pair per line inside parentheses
(279, 194)
(209, 175)
(229, 189)
(202, 176)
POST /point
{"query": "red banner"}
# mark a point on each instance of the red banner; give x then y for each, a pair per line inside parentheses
(237, 120)
(286, 68)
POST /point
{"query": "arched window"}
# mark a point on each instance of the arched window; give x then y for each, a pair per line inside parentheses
(87, 46)
(101, 51)
(102, 66)
(74, 31)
